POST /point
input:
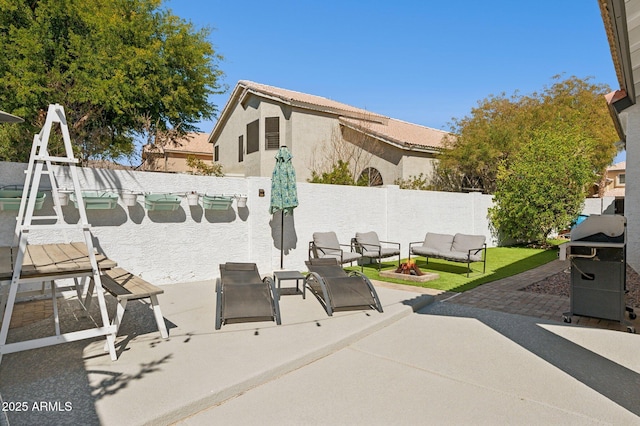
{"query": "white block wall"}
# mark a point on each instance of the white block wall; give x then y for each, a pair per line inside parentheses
(190, 243)
(632, 191)
(604, 205)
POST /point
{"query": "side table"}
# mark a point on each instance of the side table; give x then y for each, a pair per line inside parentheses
(280, 276)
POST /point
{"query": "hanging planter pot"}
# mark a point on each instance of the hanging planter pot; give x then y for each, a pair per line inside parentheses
(242, 201)
(161, 202)
(192, 198)
(130, 198)
(216, 202)
(63, 196)
(97, 200)
(10, 199)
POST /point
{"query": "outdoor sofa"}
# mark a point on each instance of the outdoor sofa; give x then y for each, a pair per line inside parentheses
(457, 248)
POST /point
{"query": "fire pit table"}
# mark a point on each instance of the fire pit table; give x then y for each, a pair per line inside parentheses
(409, 271)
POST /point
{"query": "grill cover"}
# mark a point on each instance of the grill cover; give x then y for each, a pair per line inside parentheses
(600, 228)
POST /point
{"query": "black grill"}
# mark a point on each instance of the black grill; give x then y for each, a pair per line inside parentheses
(597, 252)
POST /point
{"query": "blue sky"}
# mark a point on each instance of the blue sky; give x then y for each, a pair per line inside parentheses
(419, 61)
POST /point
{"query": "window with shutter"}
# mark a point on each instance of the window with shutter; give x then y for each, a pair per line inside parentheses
(241, 149)
(216, 153)
(253, 136)
(272, 132)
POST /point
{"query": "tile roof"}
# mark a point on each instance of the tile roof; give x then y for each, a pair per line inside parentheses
(618, 166)
(399, 132)
(407, 135)
(309, 101)
(615, 192)
(194, 142)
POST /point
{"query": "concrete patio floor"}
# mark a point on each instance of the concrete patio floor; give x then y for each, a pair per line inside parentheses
(446, 363)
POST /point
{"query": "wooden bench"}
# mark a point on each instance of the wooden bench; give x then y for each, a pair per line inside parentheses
(125, 286)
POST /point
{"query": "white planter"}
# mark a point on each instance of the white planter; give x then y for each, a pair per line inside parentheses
(192, 199)
(242, 201)
(63, 197)
(130, 199)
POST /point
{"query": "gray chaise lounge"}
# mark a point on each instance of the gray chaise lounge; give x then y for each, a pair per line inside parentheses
(457, 248)
(242, 296)
(338, 291)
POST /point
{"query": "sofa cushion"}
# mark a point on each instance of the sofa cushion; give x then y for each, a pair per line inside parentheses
(441, 243)
(464, 243)
(425, 251)
(456, 256)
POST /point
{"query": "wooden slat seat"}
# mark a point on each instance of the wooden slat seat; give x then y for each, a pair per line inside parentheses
(125, 286)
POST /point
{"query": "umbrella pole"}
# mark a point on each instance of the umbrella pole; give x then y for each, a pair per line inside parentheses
(281, 239)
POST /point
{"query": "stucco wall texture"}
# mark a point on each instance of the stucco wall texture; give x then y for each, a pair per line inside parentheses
(189, 244)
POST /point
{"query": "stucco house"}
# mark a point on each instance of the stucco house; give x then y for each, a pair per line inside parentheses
(258, 119)
(621, 20)
(615, 182)
(173, 156)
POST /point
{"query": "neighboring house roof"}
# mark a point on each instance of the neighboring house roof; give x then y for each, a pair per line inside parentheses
(303, 100)
(618, 166)
(396, 132)
(192, 143)
(617, 192)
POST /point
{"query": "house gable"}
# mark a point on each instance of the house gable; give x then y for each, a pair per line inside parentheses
(306, 124)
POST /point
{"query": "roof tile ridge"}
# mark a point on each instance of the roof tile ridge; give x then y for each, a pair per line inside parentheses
(419, 125)
(261, 87)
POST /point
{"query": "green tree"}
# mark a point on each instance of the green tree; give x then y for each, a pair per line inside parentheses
(123, 70)
(202, 168)
(420, 182)
(543, 189)
(338, 175)
(500, 126)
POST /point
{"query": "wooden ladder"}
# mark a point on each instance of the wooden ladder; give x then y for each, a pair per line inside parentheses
(41, 163)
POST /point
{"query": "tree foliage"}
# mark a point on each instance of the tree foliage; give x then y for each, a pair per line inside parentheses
(543, 189)
(499, 127)
(419, 182)
(338, 175)
(346, 157)
(123, 69)
(202, 168)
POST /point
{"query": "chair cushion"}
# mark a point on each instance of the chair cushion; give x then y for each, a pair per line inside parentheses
(386, 252)
(440, 243)
(463, 242)
(349, 256)
(369, 242)
(326, 244)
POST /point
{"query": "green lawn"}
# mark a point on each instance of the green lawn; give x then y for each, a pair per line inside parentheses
(501, 262)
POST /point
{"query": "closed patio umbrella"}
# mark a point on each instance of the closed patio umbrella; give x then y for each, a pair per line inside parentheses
(284, 191)
(5, 117)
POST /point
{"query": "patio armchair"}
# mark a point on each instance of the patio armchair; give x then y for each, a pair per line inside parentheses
(338, 291)
(369, 245)
(325, 245)
(242, 296)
